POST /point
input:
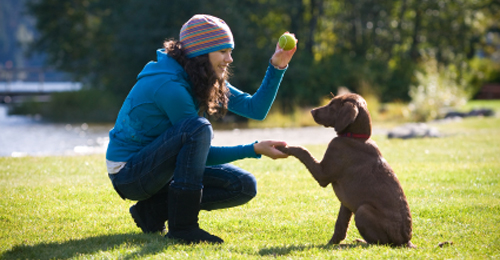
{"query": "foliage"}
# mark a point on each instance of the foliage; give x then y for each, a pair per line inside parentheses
(481, 71)
(65, 207)
(341, 42)
(90, 105)
(439, 89)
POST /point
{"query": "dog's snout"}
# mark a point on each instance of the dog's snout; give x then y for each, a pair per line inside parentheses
(313, 111)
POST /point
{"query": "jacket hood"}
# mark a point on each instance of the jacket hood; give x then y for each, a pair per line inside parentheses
(165, 64)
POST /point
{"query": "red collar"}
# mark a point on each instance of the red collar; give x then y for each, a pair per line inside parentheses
(361, 136)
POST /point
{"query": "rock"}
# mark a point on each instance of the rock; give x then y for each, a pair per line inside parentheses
(474, 112)
(413, 130)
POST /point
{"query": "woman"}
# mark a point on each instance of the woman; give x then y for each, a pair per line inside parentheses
(159, 151)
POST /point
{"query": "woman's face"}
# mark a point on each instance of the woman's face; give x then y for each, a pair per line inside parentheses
(220, 60)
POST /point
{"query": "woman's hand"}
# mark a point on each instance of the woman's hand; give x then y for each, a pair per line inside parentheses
(268, 148)
(281, 58)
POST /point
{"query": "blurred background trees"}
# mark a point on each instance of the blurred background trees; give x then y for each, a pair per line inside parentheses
(368, 46)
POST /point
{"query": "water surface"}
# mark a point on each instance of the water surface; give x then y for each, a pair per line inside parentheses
(29, 135)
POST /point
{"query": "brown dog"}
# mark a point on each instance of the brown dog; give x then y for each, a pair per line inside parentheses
(362, 179)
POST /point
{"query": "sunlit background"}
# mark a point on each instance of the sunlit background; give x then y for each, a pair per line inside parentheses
(66, 66)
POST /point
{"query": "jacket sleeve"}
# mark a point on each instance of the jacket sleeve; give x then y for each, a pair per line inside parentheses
(225, 154)
(256, 106)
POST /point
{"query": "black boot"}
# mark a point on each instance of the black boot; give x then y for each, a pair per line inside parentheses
(183, 209)
(150, 214)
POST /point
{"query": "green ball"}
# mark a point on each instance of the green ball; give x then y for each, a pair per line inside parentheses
(286, 42)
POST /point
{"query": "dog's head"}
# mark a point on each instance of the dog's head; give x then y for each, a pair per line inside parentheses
(345, 113)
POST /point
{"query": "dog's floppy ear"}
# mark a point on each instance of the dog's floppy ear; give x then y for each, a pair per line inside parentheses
(346, 116)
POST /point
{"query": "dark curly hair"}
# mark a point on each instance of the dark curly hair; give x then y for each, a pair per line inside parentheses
(208, 89)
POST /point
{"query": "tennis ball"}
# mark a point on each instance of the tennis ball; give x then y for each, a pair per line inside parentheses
(287, 41)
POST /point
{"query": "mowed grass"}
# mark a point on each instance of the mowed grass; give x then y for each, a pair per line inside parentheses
(65, 207)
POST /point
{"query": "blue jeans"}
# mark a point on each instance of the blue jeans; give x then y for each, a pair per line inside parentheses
(177, 158)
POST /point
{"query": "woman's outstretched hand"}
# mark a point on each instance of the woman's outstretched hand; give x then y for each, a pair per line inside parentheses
(268, 148)
(281, 58)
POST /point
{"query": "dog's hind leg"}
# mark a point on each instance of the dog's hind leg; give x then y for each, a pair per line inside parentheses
(341, 225)
(370, 225)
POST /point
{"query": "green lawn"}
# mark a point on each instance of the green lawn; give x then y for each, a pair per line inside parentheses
(65, 207)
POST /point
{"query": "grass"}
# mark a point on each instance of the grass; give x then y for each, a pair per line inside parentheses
(65, 207)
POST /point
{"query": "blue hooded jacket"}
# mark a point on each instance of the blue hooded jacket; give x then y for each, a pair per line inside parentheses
(162, 96)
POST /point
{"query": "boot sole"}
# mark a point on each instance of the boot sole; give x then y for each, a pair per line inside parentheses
(195, 237)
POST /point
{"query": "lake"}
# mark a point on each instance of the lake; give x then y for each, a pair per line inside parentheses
(26, 135)
(30, 136)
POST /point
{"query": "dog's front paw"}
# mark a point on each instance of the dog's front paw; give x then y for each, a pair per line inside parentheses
(334, 242)
(283, 149)
(336, 239)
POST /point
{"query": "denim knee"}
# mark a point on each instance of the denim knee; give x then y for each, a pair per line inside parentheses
(198, 126)
(249, 186)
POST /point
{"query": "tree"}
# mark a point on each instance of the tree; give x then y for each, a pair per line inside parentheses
(374, 43)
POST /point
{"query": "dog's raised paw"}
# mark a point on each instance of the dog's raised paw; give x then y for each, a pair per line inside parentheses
(282, 149)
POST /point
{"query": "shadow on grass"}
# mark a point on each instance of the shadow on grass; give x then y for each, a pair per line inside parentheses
(149, 244)
(285, 250)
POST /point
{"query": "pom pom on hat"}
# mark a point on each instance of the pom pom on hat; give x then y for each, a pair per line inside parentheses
(205, 33)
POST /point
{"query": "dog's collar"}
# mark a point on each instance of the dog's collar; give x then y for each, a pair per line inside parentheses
(361, 136)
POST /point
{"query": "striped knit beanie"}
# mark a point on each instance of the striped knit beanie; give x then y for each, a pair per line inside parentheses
(205, 33)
